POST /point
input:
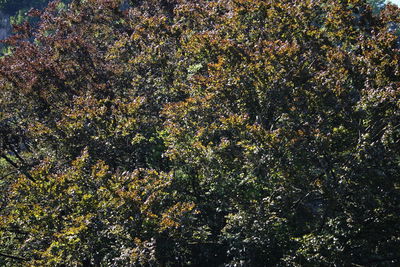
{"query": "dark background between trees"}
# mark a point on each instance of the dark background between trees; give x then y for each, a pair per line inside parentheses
(201, 133)
(11, 7)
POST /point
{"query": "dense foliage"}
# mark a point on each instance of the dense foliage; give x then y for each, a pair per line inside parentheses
(218, 132)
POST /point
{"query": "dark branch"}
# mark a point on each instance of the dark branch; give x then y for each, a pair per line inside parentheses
(12, 163)
(13, 257)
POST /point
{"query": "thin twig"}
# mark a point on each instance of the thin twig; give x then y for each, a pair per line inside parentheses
(13, 257)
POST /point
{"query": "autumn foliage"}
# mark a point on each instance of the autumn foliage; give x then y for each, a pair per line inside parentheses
(202, 133)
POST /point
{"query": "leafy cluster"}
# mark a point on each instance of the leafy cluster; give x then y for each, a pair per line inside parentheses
(195, 133)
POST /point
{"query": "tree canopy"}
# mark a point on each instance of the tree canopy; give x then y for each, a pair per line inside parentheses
(195, 133)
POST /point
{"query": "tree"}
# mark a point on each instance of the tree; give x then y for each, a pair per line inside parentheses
(220, 132)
